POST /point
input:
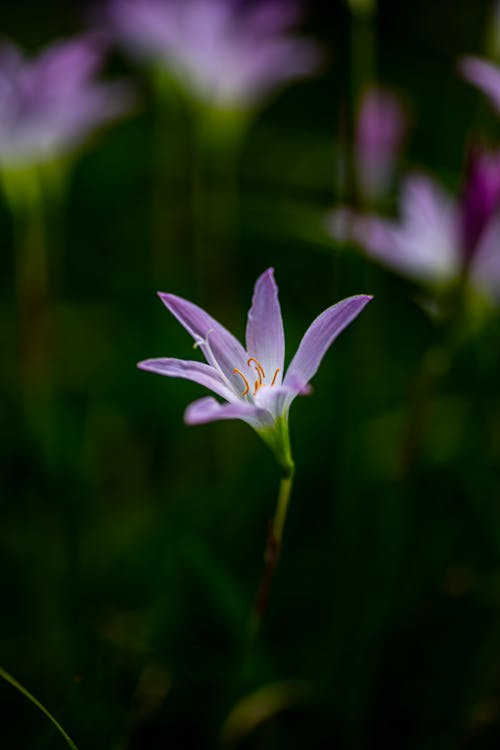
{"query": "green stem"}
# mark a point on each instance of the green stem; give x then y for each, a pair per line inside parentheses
(169, 220)
(282, 507)
(218, 141)
(24, 191)
(274, 542)
(434, 366)
(363, 43)
(363, 73)
(12, 681)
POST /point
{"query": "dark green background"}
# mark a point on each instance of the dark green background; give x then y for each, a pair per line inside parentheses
(130, 562)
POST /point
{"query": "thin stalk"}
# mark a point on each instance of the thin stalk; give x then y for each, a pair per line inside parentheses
(169, 221)
(24, 191)
(363, 46)
(217, 147)
(434, 365)
(15, 684)
(274, 543)
(278, 441)
(363, 74)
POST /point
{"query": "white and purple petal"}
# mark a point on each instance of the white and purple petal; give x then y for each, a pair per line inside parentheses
(265, 338)
(208, 409)
(198, 372)
(319, 336)
(220, 348)
(277, 399)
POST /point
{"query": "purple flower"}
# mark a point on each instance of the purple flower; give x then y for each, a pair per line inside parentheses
(379, 133)
(230, 54)
(437, 239)
(50, 104)
(251, 380)
(423, 243)
(483, 74)
(481, 197)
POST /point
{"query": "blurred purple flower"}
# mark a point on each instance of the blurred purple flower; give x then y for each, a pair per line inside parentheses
(230, 54)
(251, 380)
(423, 244)
(50, 104)
(379, 133)
(481, 196)
(437, 239)
(483, 74)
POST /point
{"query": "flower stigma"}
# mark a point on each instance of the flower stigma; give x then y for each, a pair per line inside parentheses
(202, 341)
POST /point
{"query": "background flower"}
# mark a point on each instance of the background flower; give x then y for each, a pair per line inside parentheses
(380, 128)
(50, 104)
(229, 54)
(437, 239)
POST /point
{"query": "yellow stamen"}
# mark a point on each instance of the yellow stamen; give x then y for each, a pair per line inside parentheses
(257, 386)
(273, 381)
(247, 387)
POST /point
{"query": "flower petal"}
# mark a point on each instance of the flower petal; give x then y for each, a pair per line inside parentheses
(277, 399)
(220, 348)
(483, 74)
(423, 244)
(265, 338)
(210, 410)
(198, 372)
(319, 336)
(485, 267)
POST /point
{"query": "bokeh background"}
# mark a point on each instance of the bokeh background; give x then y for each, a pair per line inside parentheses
(131, 545)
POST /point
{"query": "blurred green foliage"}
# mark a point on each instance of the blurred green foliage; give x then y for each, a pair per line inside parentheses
(130, 560)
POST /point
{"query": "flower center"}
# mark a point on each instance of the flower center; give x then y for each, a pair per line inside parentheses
(260, 373)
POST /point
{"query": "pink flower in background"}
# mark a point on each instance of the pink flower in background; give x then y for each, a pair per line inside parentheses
(422, 244)
(437, 238)
(380, 129)
(50, 104)
(227, 53)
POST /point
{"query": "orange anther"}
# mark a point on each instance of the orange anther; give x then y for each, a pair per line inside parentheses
(273, 381)
(257, 367)
(247, 387)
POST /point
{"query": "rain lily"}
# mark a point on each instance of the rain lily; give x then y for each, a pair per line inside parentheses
(48, 105)
(483, 74)
(379, 132)
(437, 240)
(228, 53)
(251, 380)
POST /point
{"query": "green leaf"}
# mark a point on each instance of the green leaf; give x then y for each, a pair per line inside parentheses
(8, 678)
